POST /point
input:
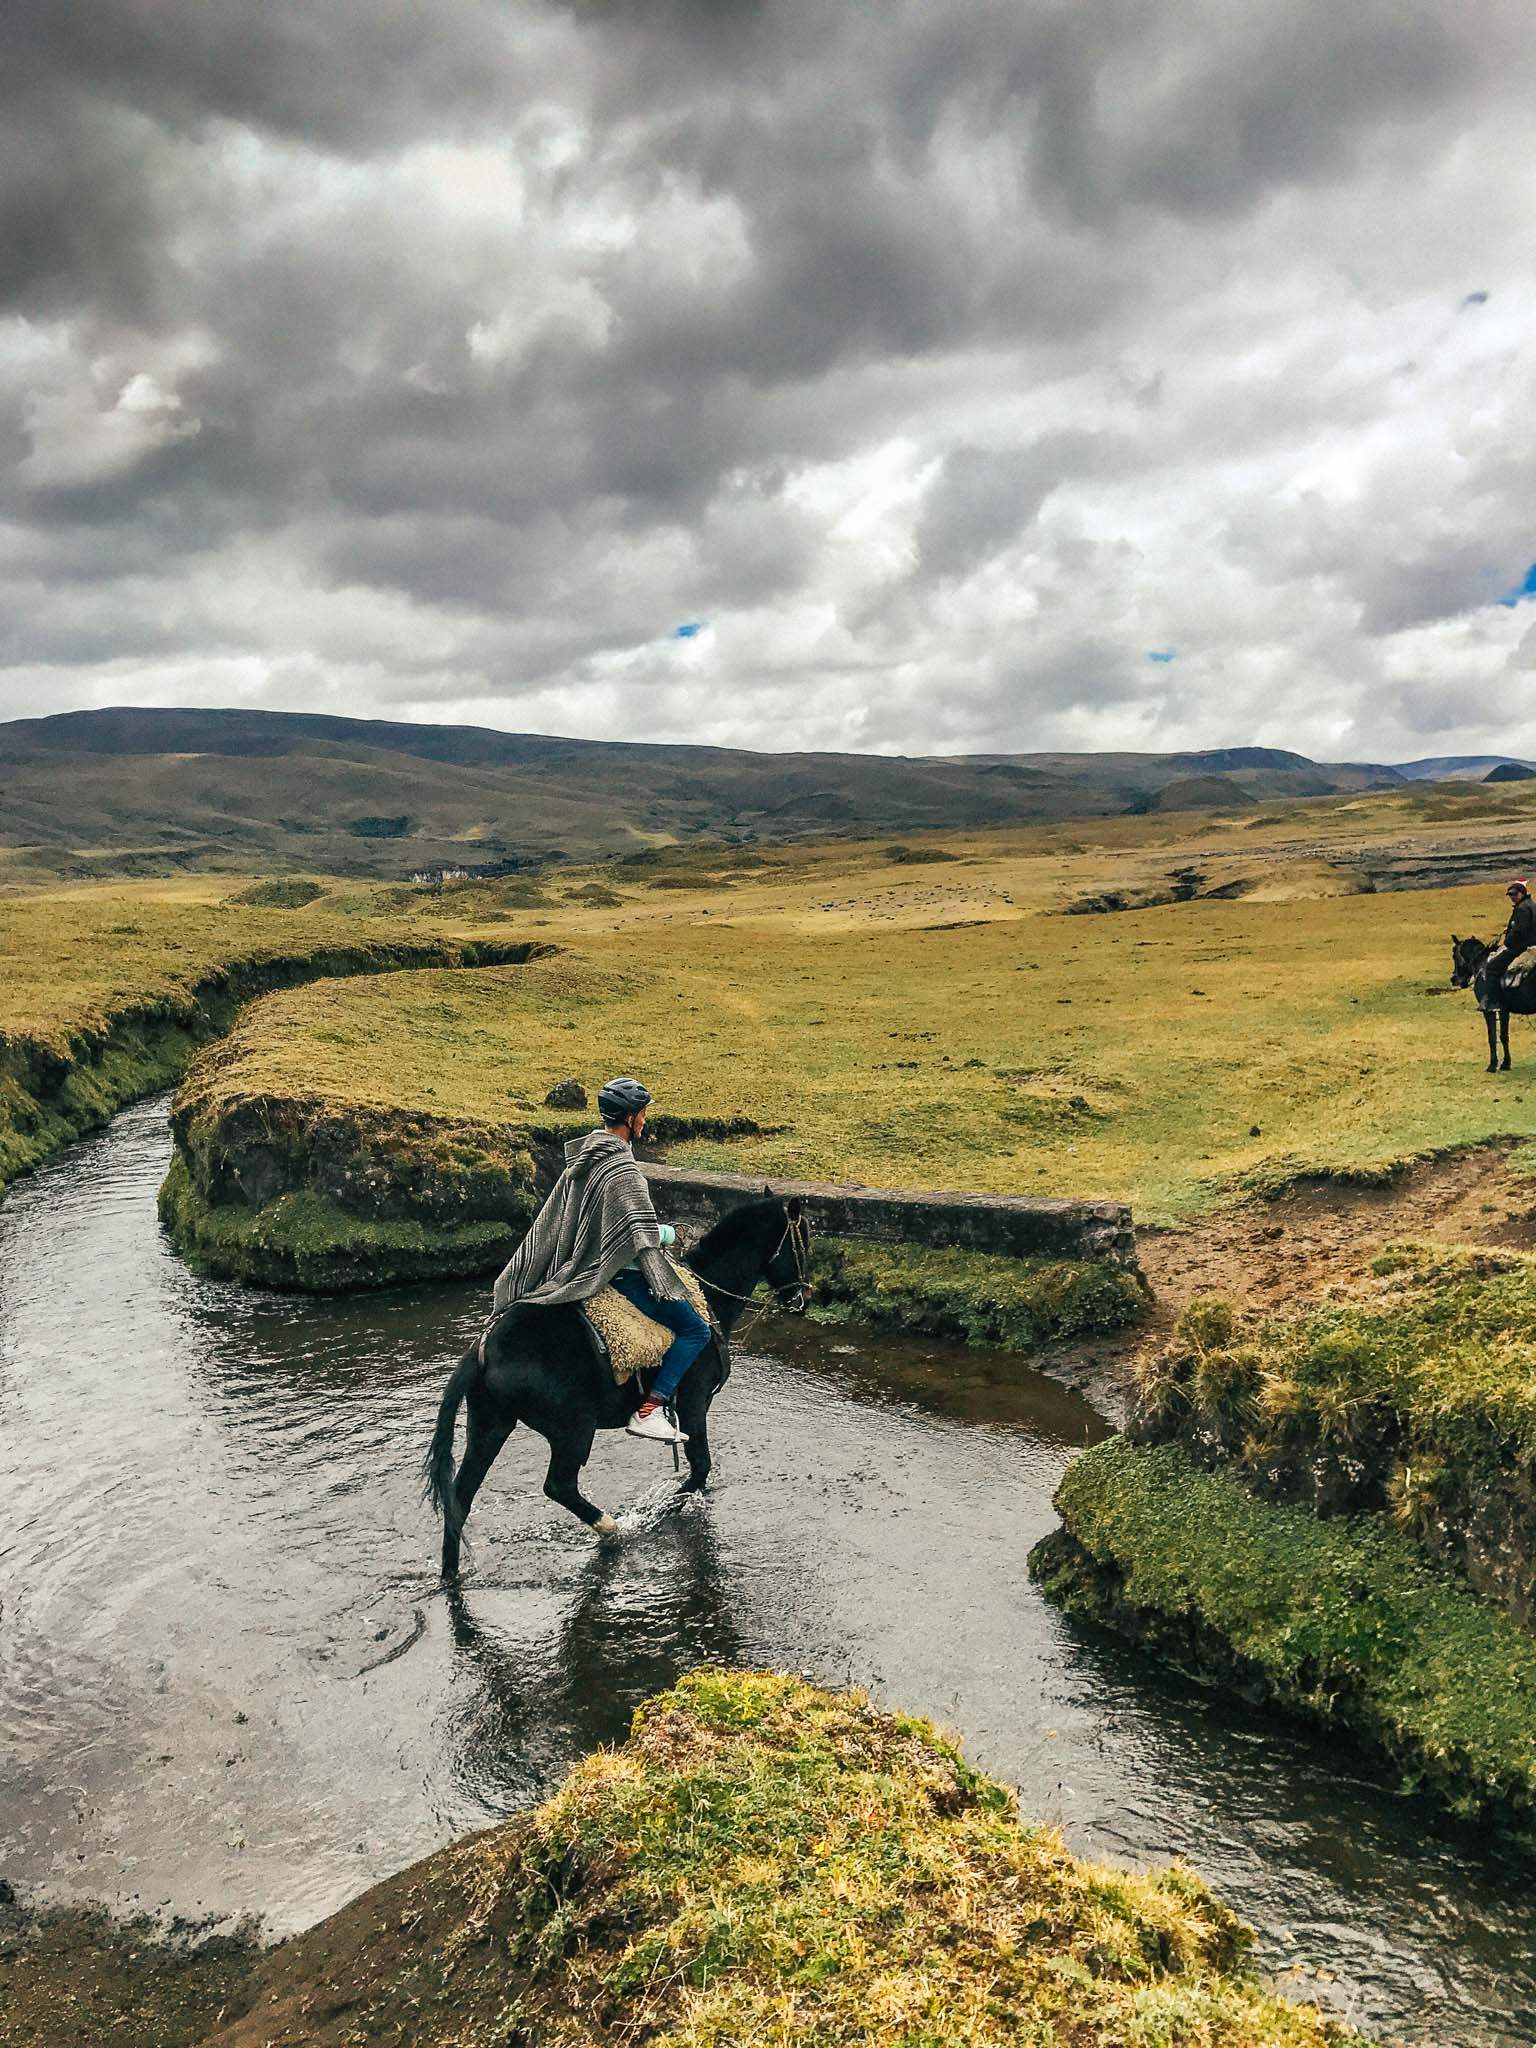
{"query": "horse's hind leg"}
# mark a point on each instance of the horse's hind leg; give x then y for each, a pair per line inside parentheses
(486, 1437)
(1491, 1020)
(569, 1450)
(1504, 1035)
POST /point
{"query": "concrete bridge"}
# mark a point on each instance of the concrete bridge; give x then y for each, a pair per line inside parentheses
(1009, 1226)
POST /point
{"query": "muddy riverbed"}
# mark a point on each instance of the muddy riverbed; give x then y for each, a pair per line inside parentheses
(231, 1685)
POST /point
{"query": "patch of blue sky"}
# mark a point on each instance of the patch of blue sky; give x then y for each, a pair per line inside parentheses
(1162, 654)
(1521, 591)
(690, 631)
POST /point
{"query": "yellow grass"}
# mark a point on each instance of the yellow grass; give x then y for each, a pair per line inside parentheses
(1129, 1055)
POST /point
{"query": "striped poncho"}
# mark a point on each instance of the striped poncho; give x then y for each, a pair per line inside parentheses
(597, 1220)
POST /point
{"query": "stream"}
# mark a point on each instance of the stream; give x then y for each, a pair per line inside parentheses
(230, 1683)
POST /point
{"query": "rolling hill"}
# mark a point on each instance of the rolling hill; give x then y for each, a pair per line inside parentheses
(127, 791)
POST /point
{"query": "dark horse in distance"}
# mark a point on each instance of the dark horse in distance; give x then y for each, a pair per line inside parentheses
(540, 1368)
(1467, 971)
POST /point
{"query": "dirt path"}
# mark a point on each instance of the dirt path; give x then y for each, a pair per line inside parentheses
(1315, 1243)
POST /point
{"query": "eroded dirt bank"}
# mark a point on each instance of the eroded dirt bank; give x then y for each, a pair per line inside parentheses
(1315, 1242)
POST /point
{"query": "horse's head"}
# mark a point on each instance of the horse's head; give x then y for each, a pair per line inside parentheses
(1467, 955)
(788, 1272)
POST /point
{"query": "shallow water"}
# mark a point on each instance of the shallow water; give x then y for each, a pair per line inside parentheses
(229, 1681)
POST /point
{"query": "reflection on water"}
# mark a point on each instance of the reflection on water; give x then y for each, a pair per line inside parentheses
(230, 1681)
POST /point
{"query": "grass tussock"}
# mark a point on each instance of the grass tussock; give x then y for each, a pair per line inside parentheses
(284, 892)
(1341, 1621)
(765, 1863)
(1421, 1401)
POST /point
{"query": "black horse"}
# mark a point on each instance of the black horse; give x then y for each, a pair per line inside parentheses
(539, 1368)
(1467, 971)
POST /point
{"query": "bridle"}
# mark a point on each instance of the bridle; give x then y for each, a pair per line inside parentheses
(789, 1295)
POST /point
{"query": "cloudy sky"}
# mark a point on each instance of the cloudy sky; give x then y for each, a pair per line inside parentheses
(927, 376)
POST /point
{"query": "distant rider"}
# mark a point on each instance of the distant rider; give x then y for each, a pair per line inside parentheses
(1519, 934)
(599, 1229)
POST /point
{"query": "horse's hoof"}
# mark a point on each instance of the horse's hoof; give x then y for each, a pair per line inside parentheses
(606, 1529)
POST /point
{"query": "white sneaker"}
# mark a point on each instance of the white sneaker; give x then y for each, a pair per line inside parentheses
(656, 1428)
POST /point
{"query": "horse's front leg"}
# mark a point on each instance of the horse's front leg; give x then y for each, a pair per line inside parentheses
(1493, 1040)
(693, 1418)
(568, 1452)
(1504, 1035)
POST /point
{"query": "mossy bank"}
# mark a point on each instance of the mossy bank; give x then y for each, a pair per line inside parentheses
(334, 1190)
(766, 1864)
(1335, 1511)
(1418, 1403)
(1341, 1622)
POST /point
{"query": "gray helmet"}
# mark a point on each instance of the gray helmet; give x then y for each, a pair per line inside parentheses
(619, 1099)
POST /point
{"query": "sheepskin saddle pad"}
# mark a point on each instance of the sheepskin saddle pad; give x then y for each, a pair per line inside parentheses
(634, 1341)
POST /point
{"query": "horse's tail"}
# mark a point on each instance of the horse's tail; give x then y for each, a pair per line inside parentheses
(437, 1466)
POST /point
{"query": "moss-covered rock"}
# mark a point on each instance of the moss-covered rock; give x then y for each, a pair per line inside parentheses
(764, 1864)
(973, 1297)
(1341, 1622)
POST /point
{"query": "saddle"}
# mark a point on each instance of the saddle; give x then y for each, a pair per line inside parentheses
(624, 1338)
(630, 1341)
(1517, 975)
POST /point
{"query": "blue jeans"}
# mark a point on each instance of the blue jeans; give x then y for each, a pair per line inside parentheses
(690, 1332)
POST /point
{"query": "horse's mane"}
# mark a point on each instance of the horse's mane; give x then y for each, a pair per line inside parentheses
(725, 1235)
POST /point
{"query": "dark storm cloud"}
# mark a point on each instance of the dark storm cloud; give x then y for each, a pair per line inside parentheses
(984, 498)
(458, 353)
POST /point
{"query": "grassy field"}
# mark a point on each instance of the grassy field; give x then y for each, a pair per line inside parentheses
(106, 993)
(936, 1026)
(925, 1021)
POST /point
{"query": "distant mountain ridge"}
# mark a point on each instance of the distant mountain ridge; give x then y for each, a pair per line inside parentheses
(1451, 767)
(142, 790)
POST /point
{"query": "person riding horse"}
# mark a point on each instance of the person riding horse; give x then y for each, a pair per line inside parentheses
(1519, 934)
(599, 1229)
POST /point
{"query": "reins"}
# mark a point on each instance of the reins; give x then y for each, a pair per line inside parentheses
(797, 1235)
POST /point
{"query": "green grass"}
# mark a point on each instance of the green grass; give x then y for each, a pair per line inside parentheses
(105, 994)
(933, 1025)
(972, 1296)
(765, 1864)
(1341, 1621)
(1446, 1357)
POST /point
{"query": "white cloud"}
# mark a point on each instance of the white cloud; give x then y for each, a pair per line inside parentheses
(945, 362)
